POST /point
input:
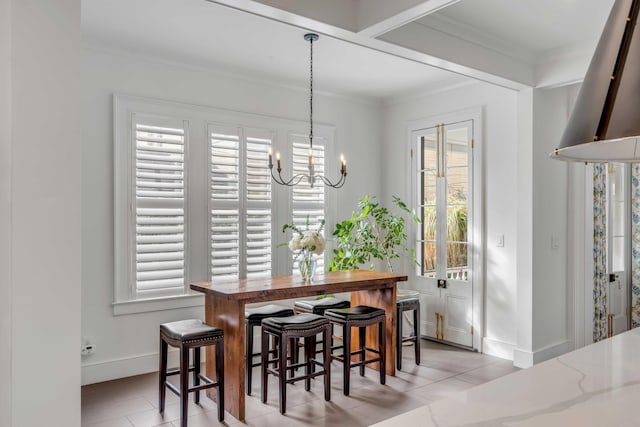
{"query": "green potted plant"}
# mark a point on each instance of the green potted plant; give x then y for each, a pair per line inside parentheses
(372, 233)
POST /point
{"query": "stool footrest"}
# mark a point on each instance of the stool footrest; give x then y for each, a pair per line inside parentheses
(177, 371)
(298, 378)
(208, 384)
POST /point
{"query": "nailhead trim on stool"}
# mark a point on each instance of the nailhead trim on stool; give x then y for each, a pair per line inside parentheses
(359, 317)
(254, 317)
(186, 335)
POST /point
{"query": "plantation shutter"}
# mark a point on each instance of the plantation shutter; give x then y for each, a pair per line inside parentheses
(159, 205)
(240, 202)
(308, 203)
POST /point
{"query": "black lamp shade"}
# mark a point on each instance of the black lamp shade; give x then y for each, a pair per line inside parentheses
(605, 122)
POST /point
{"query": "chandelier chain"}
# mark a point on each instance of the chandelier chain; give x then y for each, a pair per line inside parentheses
(311, 177)
(311, 96)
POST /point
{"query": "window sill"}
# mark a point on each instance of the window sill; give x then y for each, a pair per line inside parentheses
(157, 304)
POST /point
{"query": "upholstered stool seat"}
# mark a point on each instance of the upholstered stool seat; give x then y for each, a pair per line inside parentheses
(319, 306)
(186, 335)
(360, 317)
(287, 331)
(254, 317)
(407, 302)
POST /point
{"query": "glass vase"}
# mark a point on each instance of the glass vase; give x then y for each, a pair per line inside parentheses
(307, 266)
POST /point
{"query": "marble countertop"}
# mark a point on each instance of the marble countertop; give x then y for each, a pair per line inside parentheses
(597, 385)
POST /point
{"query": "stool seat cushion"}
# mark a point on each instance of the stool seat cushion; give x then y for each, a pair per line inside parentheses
(191, 329)
(298, 322)
(318, 306)
(270, 310)
(407, 302)
(359, 312)
(406, 294)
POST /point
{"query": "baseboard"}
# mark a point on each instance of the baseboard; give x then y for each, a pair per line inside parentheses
(551, 351)
(526, 359)
(501, 349)
(127, 367)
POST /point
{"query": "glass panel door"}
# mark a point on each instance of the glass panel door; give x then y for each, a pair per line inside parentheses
(444, 203)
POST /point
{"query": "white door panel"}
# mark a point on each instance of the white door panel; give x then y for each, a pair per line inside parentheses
(443, 197)
(457, 319)
(430, 301)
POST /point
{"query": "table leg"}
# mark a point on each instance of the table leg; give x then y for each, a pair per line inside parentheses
(385, 299)
(228, 315)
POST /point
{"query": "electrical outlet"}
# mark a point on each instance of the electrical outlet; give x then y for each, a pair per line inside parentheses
(88, 349)
(88, 346)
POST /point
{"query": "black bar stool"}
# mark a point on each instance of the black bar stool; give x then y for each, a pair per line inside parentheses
(319, 306)
(186, 335)
(359, 317)
(287, 331)
(407, 301)
(254, 317)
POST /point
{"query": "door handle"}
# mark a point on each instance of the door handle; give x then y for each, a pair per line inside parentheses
(439, 326)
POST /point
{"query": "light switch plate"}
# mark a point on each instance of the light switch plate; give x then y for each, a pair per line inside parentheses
(500, 240)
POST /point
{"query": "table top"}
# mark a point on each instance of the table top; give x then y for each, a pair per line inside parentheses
(597, 385)
(284, 287)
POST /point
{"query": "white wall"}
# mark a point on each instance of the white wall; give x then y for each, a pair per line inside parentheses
(499, 144)
(549, 224)
(127, 345)
(545, 325)
(40, 212)
(5, 212)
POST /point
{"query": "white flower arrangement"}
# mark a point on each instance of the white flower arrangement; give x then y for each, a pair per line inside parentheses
(306, 242)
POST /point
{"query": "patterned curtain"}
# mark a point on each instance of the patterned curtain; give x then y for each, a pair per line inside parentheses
(599, 251)
(635, 245)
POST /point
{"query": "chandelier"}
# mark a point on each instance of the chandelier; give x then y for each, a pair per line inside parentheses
(311, 177)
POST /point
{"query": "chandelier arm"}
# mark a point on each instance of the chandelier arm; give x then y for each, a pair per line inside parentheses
(328, 183)
(294, 180)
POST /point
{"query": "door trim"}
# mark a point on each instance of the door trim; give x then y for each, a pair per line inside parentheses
(478, 218)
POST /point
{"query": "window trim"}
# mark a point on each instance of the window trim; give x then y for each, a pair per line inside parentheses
(197, 118)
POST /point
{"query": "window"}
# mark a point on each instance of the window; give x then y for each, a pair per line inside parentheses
(194, 200)
(307, 202)
(240, 203)
(159, 209)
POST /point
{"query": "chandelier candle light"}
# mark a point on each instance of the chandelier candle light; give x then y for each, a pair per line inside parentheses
(311, 177)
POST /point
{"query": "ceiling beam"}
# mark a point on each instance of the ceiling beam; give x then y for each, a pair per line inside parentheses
(516, 82)
(386, 23)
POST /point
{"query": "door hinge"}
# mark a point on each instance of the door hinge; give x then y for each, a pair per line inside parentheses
(471, 329)
(411, 153)
(473, 143)
(626, 311)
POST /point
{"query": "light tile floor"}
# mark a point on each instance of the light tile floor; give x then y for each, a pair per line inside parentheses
(132, 402)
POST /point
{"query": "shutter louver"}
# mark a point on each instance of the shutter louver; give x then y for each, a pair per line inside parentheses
(225, 241)
(308, 203)
(258, 243)
(240, 194)
(159, 211)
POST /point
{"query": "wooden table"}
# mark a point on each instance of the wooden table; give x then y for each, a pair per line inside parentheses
(225, 307)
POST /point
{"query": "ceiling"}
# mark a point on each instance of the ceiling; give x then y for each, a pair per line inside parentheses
(368, 48)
